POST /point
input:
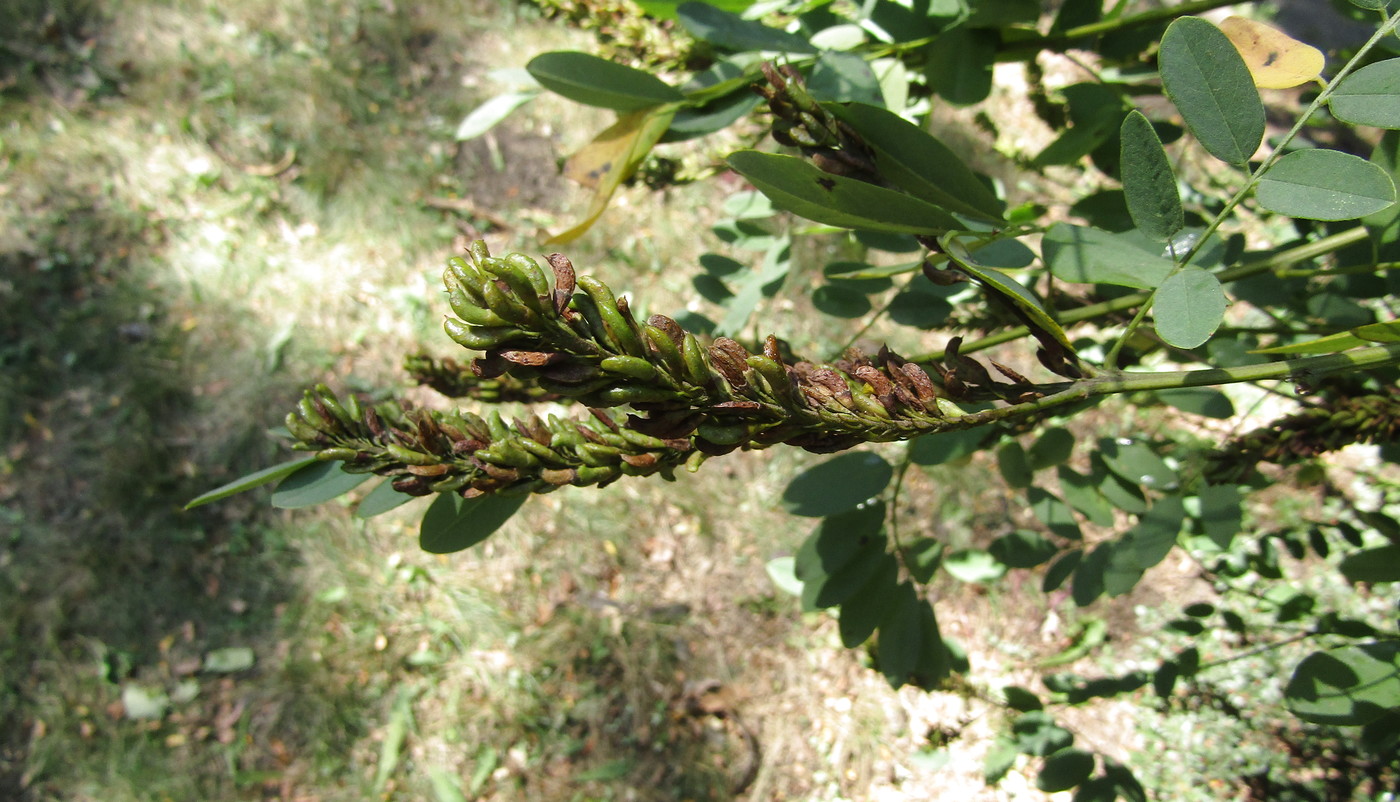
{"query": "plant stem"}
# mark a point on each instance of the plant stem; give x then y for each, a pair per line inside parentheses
(1027, 49)
(1292, 256)
(1303, 369)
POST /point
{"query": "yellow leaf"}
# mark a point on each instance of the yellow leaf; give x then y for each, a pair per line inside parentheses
(1275, 59)
(613, 155)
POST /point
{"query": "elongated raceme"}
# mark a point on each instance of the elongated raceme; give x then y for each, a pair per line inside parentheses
(1329, 426)
(576, 340)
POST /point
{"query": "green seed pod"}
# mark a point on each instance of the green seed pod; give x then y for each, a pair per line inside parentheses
(617, 326)
(451, 484)
(508, 452)
(630, 366)
(337, 454)
(663, 347)
(948, 408)
(593, 323)
(332, 404)
(478, 251)
(595, 474)
(497, 427)
(631, 394)
(464, 307)
(522, 288)
(566, 438)
(465, 275)
(315, 418)
(531, 270)
(594, 455)
(869, 404)
(300, 429)
(724, 434)
(507, 305)
(478, 338)
(773, 373)
(642, 440)
(408, 456)
(541, 452)
(697, 370)
(353, 408)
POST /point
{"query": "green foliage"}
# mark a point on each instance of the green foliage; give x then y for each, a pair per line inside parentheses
(852, 153)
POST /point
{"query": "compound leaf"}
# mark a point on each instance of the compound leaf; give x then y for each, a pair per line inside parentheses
(381, 499)
(919, 163)
(729, 31)
(1064, 770)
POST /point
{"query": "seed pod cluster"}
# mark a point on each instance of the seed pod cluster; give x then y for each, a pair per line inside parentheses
(435, 452)
(799, 121)
(1311, 432)
(570, 338)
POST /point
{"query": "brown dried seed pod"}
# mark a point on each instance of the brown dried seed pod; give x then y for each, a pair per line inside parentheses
(923, 385)
(873, 377)
(372, 422)
(833, 384)
(672, 328)
(559, 476)
(500, 473)
(530, 358)
(1009, 373)
(412, 485)
(489, 366)
(427, 470)
(468, 446)
(639, 460)
(731, 360)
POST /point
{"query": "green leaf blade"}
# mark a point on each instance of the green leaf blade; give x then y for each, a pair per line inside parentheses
(1189, 307)
(1091, 256)
(729, 31)
(1325, 185)
(837, 485)
(1348, 686)
(1206, 78)
(1380, 564)
(381, 499)
(796, 186)
(918, 163)
(1370, 96)
(593, 81)
(252, 480)
(453, 523)
(314, 484)
(1149, 184)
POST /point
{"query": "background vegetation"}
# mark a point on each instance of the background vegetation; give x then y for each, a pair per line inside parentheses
(203, 206)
